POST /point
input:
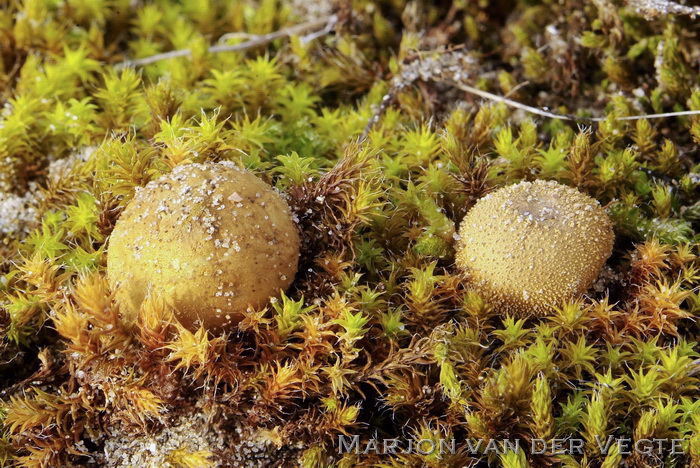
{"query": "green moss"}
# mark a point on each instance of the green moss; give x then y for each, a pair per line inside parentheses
(379, 157)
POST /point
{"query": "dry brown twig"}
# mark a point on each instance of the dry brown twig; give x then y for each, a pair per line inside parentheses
(326, 25)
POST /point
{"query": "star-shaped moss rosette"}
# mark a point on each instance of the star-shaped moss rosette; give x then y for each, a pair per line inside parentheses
(530, 246)
(211, 239)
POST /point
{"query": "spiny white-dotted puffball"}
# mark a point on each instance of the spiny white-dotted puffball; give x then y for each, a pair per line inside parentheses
(530, 246)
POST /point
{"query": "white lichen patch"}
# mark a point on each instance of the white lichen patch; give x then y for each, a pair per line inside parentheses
(198, 433)
(19, 214)
(60, 168)
(189, 433)
(607, 279)
(308, 10)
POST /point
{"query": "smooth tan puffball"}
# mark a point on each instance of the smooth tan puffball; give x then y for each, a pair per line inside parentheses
(211, 239)
(530, 246)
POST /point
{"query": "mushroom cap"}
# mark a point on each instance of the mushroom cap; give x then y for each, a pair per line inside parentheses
(212, 239)
(530, 246)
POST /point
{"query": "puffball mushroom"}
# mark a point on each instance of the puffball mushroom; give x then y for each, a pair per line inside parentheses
(530, 246)
(212, 239)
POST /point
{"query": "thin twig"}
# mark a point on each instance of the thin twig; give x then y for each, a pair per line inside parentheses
(518, 105)
(320, 33)
(326, 23)
(516, 88)
(551, 115)
(658, 116)
(387, 101)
